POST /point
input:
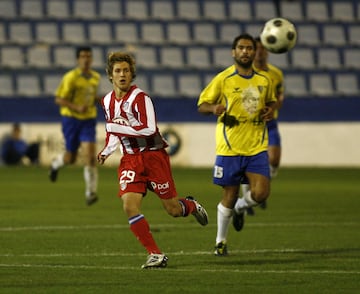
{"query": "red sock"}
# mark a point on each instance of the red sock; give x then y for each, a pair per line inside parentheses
(140, 227)
(188, 206)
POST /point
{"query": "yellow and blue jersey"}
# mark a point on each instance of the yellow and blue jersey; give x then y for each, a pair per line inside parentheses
(277, 80)
(244, 98)
(80, 90)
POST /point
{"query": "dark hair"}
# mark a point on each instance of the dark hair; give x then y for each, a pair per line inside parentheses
(82, 48)
(243, 36)
(120, 57)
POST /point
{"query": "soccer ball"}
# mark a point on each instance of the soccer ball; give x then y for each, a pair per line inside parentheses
(278, 35)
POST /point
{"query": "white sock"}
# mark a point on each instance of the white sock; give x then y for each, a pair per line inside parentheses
(245, 202)
(223, 220)
(273, 171)
(91, 180)
(58, 161)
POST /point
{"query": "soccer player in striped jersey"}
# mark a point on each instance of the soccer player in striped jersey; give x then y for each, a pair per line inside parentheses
(243, 101)
(77, 98)
(145, 165)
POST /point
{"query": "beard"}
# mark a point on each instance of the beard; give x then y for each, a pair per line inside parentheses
(245, 65)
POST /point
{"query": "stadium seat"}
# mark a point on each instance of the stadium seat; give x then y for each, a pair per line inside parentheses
(110, 9)
(343, 11)
(254, 29)
(189, 85)
(31, 9)
(100, 33)
(6, 85)
(12, 57)
(152, 32)
(222, 56)
(308, 34)
(215, 10)
(47, 32)
(8, 9)
(38, 56)
(163, 85)
(329, 58)
(136, 9)
(302, 58)
(105, 85)
(320, 84)
(58, 9)
(352, 58)
(198, 57)
(3, 38)
(354, 34)
(98, 58)
(74, 32)
(163, 9)
(178, 33)
(292, 10)
(20, 32)
(51, 81)
(264, 10)
(126, 32)
(204, 33)
(334, 34)
(28, 85)
(228, 31)
(142, 81)
(317, 11)
(240, 10)
(295, 85)
(64, 56)
(188, 10)
(279, 60)
(84, 9)
(172, 56)
(147, 57)
(347, 84)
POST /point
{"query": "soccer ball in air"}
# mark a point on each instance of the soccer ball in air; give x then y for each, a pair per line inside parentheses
(278, 35)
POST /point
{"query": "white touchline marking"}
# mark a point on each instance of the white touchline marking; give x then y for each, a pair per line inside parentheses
(217, 269)
(126, 226)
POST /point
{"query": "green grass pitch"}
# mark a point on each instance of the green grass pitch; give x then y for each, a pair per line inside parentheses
(306, 241)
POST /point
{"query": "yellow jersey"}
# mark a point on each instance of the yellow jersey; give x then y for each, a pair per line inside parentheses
(80, 90)
(277, 79)
(244, 98)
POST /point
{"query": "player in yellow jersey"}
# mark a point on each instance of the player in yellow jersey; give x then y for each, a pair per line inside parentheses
(277, 78)
(243, 101)
(77, 98)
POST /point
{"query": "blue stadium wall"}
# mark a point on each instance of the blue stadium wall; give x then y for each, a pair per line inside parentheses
(310, 109)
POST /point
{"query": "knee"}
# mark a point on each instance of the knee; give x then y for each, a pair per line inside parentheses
(260, 195)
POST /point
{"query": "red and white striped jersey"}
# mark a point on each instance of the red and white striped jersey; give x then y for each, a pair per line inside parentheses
(131, 121)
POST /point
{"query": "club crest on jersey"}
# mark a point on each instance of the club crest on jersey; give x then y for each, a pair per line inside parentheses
(121, 121)
(125, 106)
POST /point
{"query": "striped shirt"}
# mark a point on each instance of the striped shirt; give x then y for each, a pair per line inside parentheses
(131, 121)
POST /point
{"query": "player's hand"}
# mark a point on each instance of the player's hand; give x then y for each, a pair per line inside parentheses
(267, 113)
(101, 158)
(219, 109)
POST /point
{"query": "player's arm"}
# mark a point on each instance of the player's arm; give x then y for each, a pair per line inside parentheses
(145, 124)
(208, 108)
(111, 144)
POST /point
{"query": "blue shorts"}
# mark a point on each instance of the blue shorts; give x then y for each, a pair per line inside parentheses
(76, 131)
(230, 170)
(274, 134)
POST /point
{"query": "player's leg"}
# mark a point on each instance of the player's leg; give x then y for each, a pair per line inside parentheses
(90, 172)
(70, 131)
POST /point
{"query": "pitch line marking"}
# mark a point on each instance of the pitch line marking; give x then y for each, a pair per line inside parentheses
(126, 226)
(333, 272)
